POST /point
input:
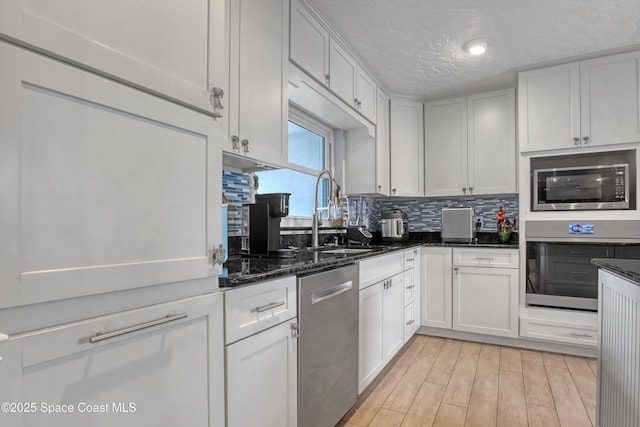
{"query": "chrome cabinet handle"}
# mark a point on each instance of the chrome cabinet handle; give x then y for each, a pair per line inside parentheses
(124, 331)
(411, 322)
(327, 79)
(464, 190)
(295, 330)
(218, 255)
(411, 286)
(217, 94)
(379, 187)
(245, 145)
(586, 140)
(269, 306)
(235, 143)
(573, 334)
(470, 190)
(393, 190)
(455, 269)
(576, 141)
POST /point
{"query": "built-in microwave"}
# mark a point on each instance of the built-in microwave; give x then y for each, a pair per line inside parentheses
(581, 188)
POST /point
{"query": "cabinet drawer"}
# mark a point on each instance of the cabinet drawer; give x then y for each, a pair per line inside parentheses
(550, 330)
(410, 258)
(506, 258)
(409, 287)
(379, 268)
(254, 308)
(410, 321)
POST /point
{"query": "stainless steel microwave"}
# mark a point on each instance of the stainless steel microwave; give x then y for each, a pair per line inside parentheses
(581, 188)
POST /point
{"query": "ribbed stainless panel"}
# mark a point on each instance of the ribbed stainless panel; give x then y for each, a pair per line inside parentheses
(619, 353)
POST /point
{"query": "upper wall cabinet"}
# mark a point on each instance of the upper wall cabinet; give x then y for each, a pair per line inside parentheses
(407, 139)
(362, 151)
(465, 139)
(175, 49)
(592, 102)
(324, 58)
(258, 102)
(104, 187)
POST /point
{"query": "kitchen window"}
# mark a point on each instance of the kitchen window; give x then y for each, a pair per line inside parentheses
(309, 152)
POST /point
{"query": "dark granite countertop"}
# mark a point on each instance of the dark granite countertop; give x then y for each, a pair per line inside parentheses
(627, 268)
(239, 270)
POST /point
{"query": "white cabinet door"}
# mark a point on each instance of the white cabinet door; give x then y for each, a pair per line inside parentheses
(549, 108)
(104, 187)
(370, 327)
(262, 379)
(393, 329)
(365, 97)
(309, 43)
(491, 143)
(407, 140)
(342, 80)
(436, 288)
(170, 48)
(610, 99)
(485, 300)
(171, 373)
(445, 124)
(258, 100)
(383, 149)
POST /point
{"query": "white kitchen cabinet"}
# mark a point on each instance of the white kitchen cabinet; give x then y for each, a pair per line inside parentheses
(309, 43)
(411, 294)
(485, 298)
(172, 49)
(380, 315)
(437, 287)
(407, 140)
(258, 102)
(592, 102)
(362, 151)
(342, 76)
(156, 365)
(470, 146)
(261, 353)
(320, 54)
(262, 375)
(105, 188)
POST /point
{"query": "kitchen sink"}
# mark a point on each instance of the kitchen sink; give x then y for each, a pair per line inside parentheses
(348, 251)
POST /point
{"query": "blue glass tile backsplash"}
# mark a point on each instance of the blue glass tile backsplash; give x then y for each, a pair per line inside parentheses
(424, 213)
(235, 187)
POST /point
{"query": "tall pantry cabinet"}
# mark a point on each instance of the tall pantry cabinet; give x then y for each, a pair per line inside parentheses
(110, 152)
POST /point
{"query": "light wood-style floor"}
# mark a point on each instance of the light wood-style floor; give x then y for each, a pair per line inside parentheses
(446, 382)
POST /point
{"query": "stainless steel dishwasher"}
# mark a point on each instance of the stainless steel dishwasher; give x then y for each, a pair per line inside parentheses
(327, 346)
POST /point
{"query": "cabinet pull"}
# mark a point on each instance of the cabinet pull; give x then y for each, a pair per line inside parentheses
(586, 140)
(269, 306)
(217, 94)
(464, 190)
(573, 334)
(245, 145)
(410, 322)
(295, 331)
(235, 143)
(327, 79)
(124, 331)
(576, 141)
(393, 190)
(411, 286)
(470, 190)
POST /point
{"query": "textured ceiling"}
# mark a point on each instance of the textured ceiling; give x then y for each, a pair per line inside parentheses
(414, 47)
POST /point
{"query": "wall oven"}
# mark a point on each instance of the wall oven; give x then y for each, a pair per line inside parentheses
(581, 188)
(559, 253)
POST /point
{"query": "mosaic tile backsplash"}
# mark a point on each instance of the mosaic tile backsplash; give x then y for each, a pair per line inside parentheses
(235, 187)
(424, 213)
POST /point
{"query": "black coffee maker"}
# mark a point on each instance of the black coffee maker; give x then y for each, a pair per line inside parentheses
(261, 225)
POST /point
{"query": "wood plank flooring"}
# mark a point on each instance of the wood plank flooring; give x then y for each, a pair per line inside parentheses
(449, 383)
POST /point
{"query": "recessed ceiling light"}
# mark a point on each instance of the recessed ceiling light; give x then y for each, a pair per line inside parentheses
(476, 47)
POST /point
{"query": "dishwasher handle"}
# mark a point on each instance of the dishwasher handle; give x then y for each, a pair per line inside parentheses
(330, 292)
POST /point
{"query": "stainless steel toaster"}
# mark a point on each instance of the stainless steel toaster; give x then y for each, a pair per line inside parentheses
(458, 224)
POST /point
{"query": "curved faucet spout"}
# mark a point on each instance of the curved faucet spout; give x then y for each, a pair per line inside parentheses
(314, 217)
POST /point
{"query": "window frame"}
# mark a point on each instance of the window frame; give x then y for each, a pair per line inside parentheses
(312, 124)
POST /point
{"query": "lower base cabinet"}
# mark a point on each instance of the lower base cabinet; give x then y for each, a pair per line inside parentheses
(160, 365)
(485, 300)
(262, 375)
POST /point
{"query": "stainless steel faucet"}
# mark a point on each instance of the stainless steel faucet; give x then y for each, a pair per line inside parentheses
(314, 217)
